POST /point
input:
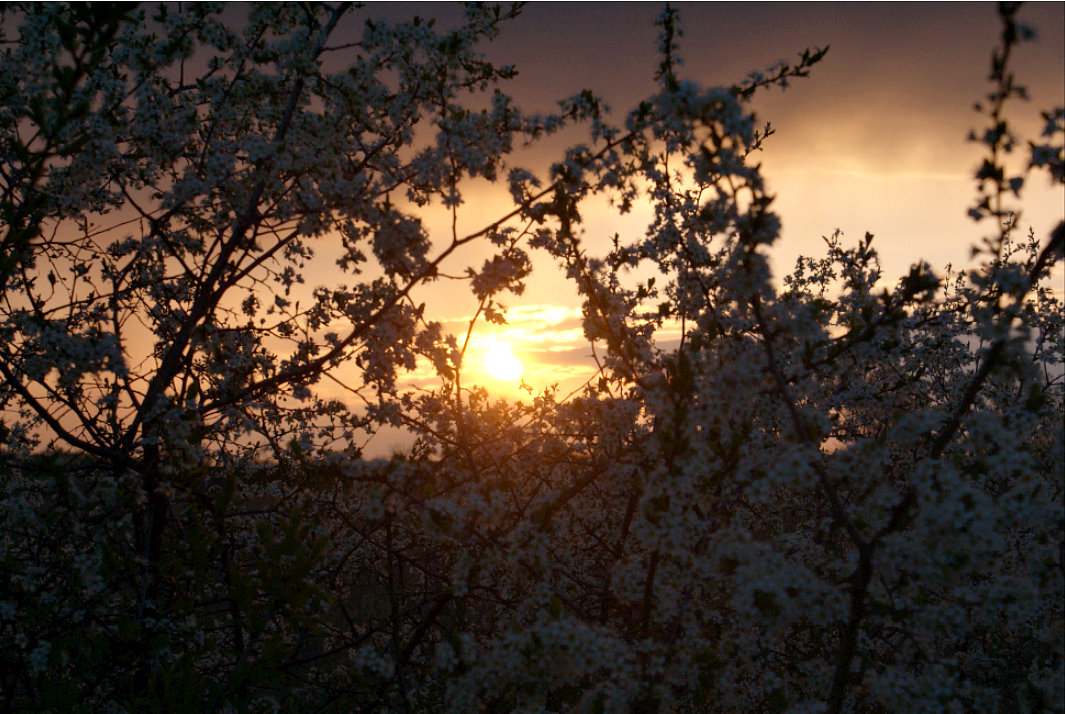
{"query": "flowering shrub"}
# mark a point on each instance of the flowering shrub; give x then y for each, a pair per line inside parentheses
(830, 496)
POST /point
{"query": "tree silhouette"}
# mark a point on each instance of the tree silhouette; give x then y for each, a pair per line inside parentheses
(831, 495)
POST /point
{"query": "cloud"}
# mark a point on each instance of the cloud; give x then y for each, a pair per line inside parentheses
(568, 357)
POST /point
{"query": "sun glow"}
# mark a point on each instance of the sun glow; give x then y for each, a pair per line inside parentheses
(501, 363)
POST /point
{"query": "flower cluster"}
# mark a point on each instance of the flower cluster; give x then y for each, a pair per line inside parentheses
(827, 496)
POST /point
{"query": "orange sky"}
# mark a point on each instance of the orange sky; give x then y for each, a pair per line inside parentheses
(873, 141)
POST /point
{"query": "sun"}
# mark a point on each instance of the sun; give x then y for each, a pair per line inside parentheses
(501, 363)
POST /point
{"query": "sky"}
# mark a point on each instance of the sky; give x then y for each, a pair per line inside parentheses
(874, 140)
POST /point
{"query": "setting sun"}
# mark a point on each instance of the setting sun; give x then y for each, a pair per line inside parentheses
(501, 363)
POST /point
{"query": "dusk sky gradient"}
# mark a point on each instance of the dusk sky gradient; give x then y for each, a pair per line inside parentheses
(874, 140)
